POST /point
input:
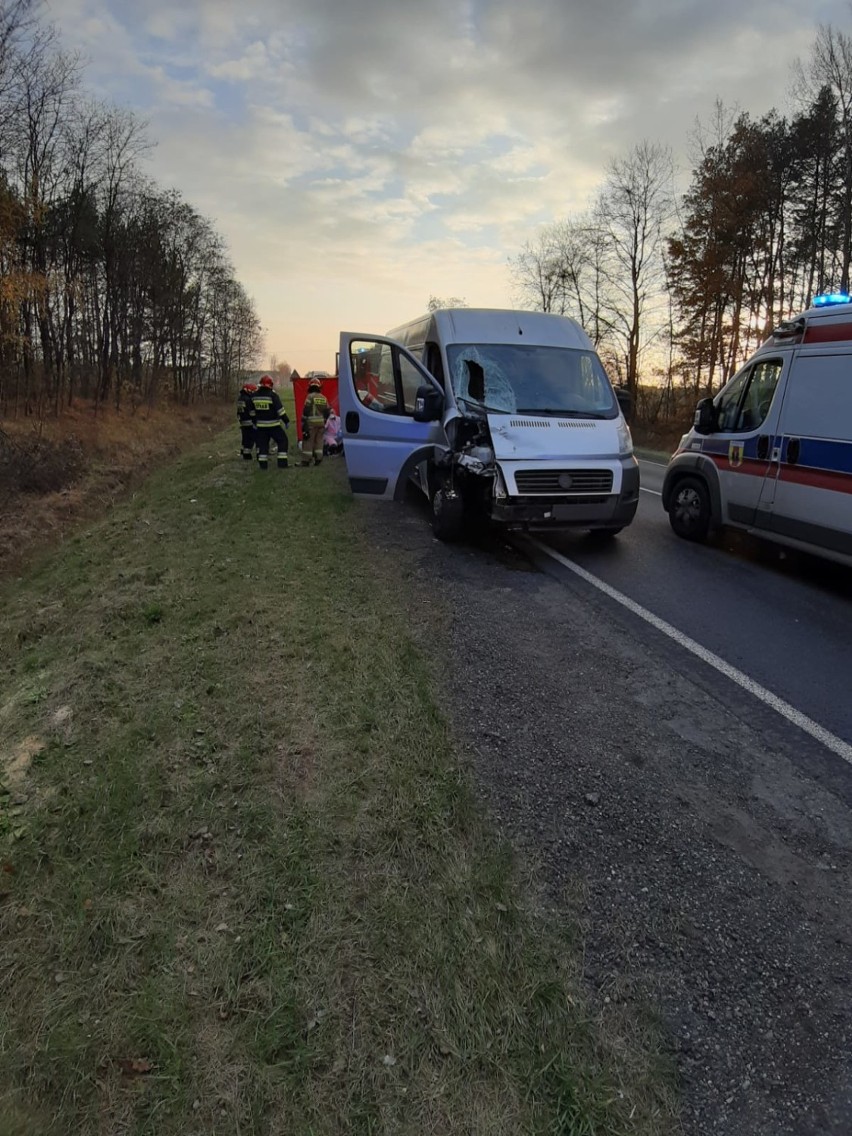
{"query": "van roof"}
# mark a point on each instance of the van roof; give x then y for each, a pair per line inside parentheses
(505, 325)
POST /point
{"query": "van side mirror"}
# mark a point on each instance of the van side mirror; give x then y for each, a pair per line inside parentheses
(705, 417)
(428, 404)
(625, 402)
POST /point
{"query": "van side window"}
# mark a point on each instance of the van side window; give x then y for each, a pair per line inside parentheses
(385, 380)
(410, 381)
(746, 401)
(432, 362)
(372, 374)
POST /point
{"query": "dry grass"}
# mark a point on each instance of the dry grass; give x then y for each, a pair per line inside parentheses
(78, 465)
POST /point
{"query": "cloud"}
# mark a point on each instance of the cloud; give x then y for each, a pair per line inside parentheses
(253, 64)
(359, 155)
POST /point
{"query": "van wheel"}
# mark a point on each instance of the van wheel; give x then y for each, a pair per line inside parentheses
(689, 509)
(447, 515)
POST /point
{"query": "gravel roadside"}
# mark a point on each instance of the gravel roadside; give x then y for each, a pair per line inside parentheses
(709, 871)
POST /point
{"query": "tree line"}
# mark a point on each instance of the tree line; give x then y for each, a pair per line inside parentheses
(677, 290)
(112, 288)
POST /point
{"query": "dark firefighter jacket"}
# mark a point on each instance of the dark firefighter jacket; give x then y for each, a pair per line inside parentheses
(267, 409)
(244, 408)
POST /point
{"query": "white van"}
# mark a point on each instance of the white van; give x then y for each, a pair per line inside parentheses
(506, 415)
(772, 452)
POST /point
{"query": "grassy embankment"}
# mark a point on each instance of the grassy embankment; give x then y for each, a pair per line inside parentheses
(244, 886)
(61, 471)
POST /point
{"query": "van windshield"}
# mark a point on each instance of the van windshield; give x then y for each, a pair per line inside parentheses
(510, 378)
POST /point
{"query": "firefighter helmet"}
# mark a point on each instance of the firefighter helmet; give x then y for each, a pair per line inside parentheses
(266, 381)
(249, 388)
(315, 384)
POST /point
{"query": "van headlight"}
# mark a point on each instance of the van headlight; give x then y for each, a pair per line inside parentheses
(625, 439)
(500, 490)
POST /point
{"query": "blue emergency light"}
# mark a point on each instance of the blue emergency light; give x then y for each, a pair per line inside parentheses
(831, 298)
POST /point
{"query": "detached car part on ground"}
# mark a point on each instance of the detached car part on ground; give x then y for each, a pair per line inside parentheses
(515, 423)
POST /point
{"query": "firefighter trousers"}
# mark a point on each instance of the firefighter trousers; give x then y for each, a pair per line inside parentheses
(247, 440)
(312, 445)
(265, 435)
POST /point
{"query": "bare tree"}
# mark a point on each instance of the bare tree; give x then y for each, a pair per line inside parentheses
(563, 271)
(436, 302)
(634, 209)
(830, 66)
(109, 286)
(537, 272)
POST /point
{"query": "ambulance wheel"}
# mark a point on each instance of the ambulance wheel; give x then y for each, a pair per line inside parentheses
(447, 515)
(689, 509)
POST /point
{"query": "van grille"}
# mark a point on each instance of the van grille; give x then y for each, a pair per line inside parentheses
(577, 425)
(558, 481)
(542, 423)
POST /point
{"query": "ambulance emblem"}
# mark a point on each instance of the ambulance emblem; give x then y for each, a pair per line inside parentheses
(735, 454)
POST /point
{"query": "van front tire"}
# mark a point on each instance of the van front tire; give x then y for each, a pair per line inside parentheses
(689, 509)
(447, 515)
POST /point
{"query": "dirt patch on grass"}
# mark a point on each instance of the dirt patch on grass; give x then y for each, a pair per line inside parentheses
(15, 763)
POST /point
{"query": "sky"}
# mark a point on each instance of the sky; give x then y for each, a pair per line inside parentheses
(359, 156)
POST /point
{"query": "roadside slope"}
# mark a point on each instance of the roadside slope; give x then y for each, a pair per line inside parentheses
(75, 467)
(244, 884)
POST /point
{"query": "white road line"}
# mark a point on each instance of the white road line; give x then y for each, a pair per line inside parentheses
(829, 740)
(654, 491)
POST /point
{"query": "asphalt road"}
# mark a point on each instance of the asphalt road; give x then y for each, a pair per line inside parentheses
(783, 619)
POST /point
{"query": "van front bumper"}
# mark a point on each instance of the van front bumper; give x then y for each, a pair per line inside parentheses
(609, 511)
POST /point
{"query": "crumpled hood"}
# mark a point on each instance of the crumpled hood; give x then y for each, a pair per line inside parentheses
(517, 437)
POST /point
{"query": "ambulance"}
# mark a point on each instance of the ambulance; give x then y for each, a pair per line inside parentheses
(772, 452)
(503, 416)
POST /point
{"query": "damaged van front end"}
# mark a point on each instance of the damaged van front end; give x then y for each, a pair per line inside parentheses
(502, 416)
(510, 469)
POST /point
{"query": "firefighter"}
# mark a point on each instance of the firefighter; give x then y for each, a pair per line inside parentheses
(268, 415)
(244, 419)
(314, 414)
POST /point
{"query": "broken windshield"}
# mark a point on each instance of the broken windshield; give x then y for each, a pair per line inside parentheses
(512, 378)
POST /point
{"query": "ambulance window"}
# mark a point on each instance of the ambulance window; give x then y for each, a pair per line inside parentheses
(745, 402)
(728, 404)
(759, 394)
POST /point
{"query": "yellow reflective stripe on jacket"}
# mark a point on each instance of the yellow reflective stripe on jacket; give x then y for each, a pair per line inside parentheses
(315, 408)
